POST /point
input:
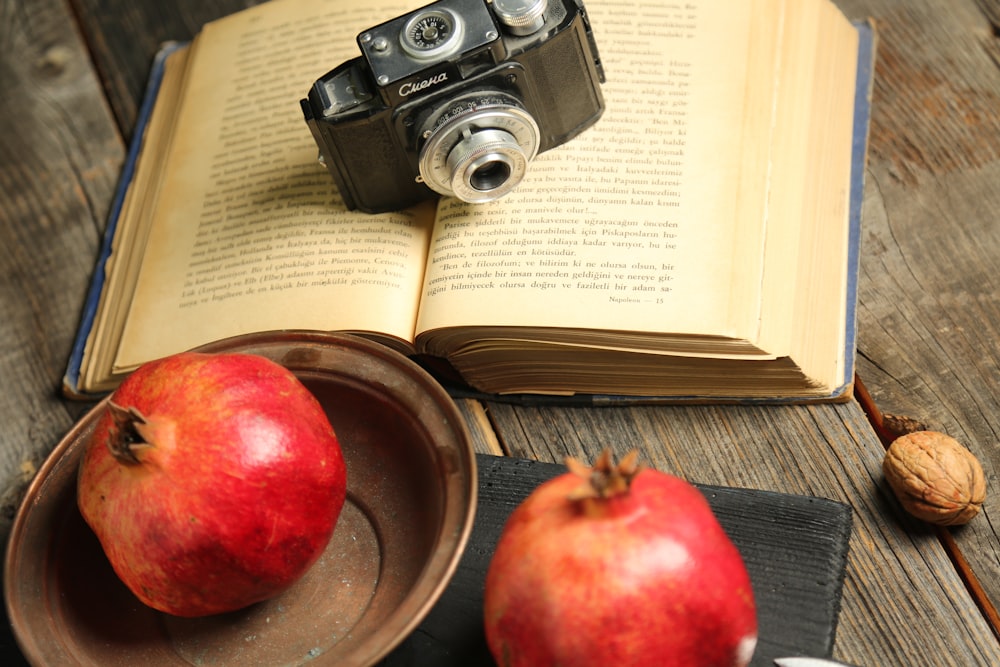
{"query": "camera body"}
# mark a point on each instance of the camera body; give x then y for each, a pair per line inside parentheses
(455, 98)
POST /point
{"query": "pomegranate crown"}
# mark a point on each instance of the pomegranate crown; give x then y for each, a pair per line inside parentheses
(604, 479)
(128, 438)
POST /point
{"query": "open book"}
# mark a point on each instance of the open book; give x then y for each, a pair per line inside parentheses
(700, 241)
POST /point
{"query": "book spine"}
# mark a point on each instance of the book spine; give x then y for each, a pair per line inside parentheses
(71, 379)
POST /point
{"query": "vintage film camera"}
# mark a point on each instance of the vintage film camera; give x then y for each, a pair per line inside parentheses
(455, 98)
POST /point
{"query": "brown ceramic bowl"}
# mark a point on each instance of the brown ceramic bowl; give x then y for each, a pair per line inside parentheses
(410, 503)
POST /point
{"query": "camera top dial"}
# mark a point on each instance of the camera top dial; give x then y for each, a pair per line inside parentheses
(432, 34)
(522, 17)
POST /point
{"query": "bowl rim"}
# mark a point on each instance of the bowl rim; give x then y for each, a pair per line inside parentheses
(461, 493)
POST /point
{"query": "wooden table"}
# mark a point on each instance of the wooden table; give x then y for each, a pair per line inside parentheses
(72, 74)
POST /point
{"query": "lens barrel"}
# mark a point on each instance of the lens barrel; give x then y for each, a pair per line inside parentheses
(481, 155)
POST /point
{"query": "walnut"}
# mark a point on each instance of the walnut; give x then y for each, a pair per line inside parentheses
(935, 478)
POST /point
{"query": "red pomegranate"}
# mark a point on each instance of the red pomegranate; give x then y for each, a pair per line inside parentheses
(617, 565)
(212, 481)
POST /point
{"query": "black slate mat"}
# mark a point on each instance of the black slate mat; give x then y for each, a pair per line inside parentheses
(795, 548)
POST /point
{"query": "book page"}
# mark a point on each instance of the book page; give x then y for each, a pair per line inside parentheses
(125, 257)
(641, 222)
(249, 232)
(822, 285)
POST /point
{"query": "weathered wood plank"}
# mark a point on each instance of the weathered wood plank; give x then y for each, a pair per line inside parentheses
(484, 439)
(929, 312)
(59, 160)
(991, 10)
(899, 581)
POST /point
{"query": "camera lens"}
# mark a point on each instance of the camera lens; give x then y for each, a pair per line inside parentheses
(491, 175)
(485, 165)
(480, 155)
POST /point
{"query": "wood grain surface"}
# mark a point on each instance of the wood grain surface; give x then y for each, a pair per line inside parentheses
(929, 303)
(72, 74)
(60, 154)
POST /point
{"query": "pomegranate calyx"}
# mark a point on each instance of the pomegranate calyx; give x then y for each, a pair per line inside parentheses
(125, 440)
(604, 479)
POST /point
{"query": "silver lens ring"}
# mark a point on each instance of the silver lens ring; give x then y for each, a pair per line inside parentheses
(485, 165)
(480, 156)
